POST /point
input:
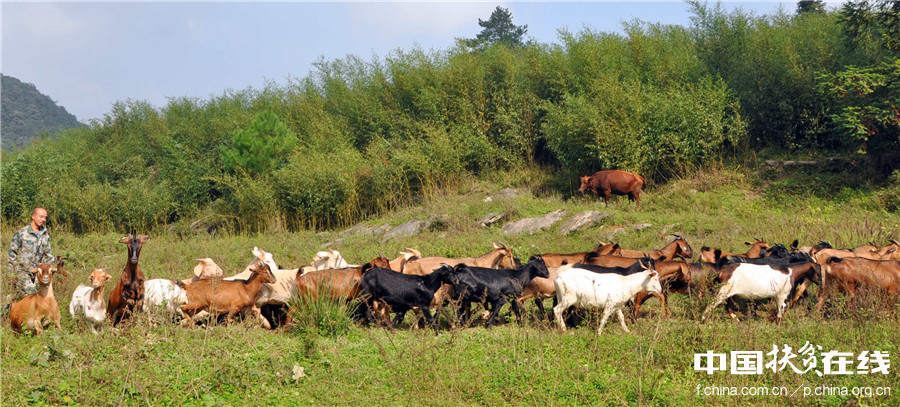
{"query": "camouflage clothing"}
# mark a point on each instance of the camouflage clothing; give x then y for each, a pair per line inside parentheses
(28, 249)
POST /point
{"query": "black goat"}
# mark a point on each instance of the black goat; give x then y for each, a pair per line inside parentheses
(403, 291)
(494, 287)
(637, 267)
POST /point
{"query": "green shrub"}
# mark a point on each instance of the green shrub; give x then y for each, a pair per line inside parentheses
(263, 145)
(248, 204)
(322, 316)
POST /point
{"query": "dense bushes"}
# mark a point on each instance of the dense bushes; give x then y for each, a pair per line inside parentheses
(356, 137)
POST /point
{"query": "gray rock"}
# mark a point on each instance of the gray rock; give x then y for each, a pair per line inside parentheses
(508, 193)
(581, 221)
(360, 229)
(356, 229)
(642, 226)
(334, 243)
(380, 230)
(669, 229)
(207, 224)
(613, 233)
(492, 218)
(531, 225)
(410, 228)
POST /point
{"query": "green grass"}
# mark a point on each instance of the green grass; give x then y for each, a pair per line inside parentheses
(531, 365)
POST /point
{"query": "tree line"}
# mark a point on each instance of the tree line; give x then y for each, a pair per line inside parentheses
(357, 137)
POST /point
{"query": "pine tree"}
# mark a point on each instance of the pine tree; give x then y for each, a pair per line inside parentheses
(499, 28)
(810, 6)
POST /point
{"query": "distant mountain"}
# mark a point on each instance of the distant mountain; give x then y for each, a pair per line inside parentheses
(27, 113)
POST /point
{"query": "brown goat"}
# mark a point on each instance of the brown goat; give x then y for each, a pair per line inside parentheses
(849, 275)
(677, 248)
(33, 311)
(557, 259)
(225, 296)
(671, 273)
(339, 284)
(399, 264)
(708, 255)
(128, 295)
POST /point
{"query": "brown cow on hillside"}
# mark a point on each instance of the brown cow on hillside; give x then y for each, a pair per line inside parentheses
(604, 183)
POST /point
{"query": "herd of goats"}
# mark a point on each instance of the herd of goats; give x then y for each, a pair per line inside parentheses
(607, 278)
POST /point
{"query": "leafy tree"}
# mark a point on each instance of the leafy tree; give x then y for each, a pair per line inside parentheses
(265, 144)
(867, 102)
(866, 99)
(499, 28)
(810, 6)
(874, 27)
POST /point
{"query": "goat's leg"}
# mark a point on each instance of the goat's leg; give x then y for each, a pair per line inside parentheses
(607, 312)
(367, 313)
(821, 303)
(622, 319)
(429, 318)
(801, 289)
(539, 302)
(516, 307)
(398, 318)
(495, 309)
(731, 308)
(662, 303)
(257, 312)
(639, 299)
(560, 305)
(720, 298)
(781, 303)
(464, 313)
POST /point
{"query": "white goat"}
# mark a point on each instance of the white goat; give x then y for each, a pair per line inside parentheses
(163, 295)
(205, 268)
(754, 282)
(87, 301)
(577, 286)
(332, 259)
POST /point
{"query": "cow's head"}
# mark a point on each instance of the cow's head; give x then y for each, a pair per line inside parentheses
(585, 183)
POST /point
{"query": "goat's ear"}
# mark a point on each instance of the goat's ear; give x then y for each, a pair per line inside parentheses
(35, 270)
(891, 250)
(143, 238)
(496, 246)
(126, 239)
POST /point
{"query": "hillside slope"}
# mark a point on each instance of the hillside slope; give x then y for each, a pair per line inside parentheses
(27, 113)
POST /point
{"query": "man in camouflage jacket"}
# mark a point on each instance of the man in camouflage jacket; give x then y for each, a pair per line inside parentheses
(30, 246)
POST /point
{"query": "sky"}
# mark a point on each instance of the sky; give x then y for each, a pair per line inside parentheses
(87, 56)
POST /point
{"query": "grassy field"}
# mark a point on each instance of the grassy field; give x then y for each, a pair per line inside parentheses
(532, 364)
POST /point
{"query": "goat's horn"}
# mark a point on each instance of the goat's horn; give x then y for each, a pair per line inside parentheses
(894, 242)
